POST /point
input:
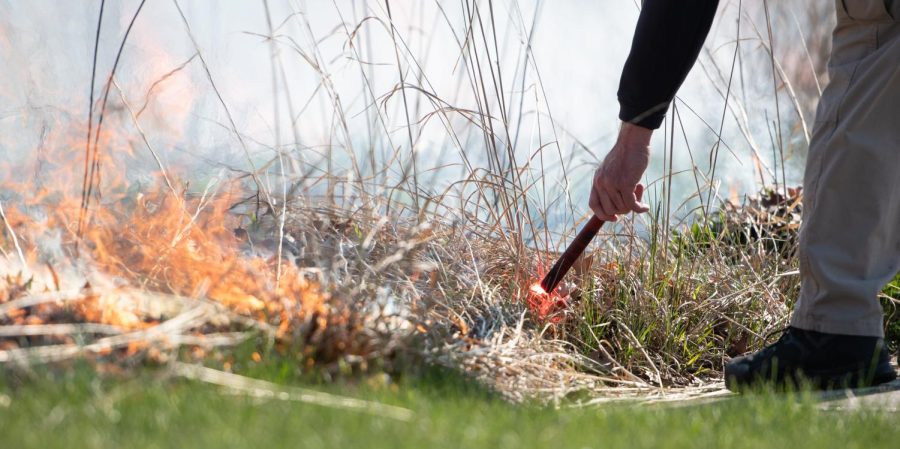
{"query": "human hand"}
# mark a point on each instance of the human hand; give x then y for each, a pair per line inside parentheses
(617, 188)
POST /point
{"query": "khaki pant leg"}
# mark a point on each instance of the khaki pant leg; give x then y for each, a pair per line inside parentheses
(850, 240)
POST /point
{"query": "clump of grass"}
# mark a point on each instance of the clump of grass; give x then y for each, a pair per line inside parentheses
(646, 314)
(672, 311)
(667, 313)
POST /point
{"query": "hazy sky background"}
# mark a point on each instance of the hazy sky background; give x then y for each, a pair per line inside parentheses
(578, 50)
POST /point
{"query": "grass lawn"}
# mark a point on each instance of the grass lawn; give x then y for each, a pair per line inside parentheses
(76, 408)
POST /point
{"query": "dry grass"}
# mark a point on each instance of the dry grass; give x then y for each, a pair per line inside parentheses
(354, 260)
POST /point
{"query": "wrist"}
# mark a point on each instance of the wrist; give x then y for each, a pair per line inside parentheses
(634, 136)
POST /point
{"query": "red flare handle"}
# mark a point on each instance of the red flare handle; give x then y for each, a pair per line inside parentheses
(571, 254)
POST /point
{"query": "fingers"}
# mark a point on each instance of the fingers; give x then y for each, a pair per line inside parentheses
(597, 206)
(607, 207)
(637, 206)
(607, 202)
(615, 196)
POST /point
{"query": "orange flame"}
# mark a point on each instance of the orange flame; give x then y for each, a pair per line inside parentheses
(545, 305)
(150, 238)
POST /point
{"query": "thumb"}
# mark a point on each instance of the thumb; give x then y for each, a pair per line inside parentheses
(639, 194)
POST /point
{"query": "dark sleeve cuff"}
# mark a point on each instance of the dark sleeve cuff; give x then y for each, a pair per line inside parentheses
(651, 119)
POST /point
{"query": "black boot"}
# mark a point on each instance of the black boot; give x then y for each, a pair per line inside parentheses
(826, 361)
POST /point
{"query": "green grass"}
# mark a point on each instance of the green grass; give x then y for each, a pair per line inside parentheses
(77, 408)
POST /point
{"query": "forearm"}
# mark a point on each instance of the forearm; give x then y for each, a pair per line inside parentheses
(667, 41)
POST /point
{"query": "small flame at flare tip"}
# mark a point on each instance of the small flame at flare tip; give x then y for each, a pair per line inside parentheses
(537, 289)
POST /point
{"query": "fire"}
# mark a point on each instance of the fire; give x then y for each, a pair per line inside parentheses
(145, 232)
(545, 305)
(156, 239)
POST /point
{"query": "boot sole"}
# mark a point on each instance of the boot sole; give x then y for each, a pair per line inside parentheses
(833, 379)
(839, 379)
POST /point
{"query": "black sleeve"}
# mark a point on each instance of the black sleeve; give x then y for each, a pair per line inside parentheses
(667, 41)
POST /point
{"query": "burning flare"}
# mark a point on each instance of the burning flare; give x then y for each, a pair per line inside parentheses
(545, 305)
